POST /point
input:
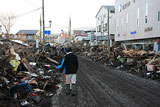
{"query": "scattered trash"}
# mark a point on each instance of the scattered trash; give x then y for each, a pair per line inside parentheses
(24, 103)
(32, 63)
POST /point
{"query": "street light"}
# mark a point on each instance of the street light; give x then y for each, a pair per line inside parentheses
(50, 22)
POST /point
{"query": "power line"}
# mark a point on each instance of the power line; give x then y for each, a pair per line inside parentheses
(28, 12)
(32, 11)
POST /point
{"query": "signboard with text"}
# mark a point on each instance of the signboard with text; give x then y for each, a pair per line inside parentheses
(47, 32)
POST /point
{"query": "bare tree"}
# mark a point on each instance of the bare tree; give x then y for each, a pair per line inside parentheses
(7, 20)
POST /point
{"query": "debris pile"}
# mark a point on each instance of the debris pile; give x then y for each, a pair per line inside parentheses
(27, 75)
(134, 61)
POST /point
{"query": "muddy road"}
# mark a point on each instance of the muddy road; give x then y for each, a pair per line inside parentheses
(101, 86)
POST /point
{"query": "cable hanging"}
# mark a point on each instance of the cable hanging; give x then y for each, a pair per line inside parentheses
(28, 12)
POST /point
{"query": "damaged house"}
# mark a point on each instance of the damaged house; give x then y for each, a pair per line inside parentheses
(27, 36)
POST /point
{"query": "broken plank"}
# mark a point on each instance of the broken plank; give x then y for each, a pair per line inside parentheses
(52, 60)
(26, 62)
(45, 85)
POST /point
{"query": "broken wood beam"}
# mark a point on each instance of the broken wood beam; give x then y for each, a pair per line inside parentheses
(52, 60)
(45, 85)
(26, 62)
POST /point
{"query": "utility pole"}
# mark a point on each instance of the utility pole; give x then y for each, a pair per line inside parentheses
(108, 30)
(0, 29)
(43, 23)
(69, 31)
(40, 29)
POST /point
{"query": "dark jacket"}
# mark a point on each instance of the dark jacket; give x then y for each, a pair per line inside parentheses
(70, 63)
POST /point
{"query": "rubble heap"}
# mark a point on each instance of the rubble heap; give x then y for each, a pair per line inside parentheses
(135, 61)
(27, 75)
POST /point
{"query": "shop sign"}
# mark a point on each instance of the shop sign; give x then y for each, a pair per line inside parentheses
(126, 5)
(134, 32)
(148, 29)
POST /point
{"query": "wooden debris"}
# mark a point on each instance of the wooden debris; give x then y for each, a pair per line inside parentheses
(153, 60)
(124, 46)
(45, 85)
(129, 58)
(52, 60)
(38, 76)
(26, 62)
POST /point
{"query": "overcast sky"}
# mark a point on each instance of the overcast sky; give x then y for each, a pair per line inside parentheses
(82, 13)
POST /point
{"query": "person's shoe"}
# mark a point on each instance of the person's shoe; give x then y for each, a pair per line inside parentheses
(73, 89)
(67, 89)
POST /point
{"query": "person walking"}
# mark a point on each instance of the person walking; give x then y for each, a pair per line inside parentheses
(64, 70)
(71, 66)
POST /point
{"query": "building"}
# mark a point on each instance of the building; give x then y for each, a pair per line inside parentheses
(105, 14)
(76, 33)
(79, 35)
(137, 21)
(91, 36)
(27, 36)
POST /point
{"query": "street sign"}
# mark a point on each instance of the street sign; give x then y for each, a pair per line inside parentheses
(47, 32)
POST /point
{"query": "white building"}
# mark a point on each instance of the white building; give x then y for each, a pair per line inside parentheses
(102, 23)
(137, 21)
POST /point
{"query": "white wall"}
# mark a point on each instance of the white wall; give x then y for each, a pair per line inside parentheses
(132, 11)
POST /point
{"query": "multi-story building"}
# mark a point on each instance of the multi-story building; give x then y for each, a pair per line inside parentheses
(102, 23)
(137, 21)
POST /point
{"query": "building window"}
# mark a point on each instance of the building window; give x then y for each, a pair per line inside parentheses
(97, 28)
(138, 17)
(99, 18)
(30, 37)
(105, 27)
(112, 11)
(100, 29)
(120, 8)
(146, 18)
(159, 15)
(146, 9)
